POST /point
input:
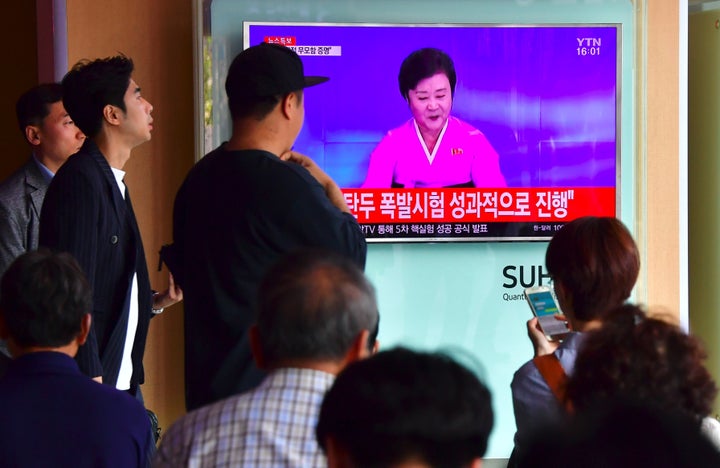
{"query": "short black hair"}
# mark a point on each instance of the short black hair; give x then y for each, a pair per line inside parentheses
(91, 85)
(313, 304)
(43, 299)
(422, 64)
(401, 404)
(34, 104)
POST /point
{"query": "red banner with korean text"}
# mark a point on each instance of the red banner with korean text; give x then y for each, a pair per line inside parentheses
(375, 206)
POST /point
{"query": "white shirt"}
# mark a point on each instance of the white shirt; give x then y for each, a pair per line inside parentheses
(126, 367)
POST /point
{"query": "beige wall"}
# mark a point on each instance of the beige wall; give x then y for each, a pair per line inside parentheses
(704, 175)
(657, 153)
(157, 34)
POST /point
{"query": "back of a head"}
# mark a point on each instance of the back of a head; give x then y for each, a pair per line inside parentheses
(401, 405)
(622, 434)
(260, 76)
(43, 299)
(34, 104)
(597, 262)
(645, 359)
(312, 305)
(91, 85)
(422, 64)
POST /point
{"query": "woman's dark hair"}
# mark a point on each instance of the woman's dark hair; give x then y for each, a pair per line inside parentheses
(637, 358)
(422, 64)
(597, 262)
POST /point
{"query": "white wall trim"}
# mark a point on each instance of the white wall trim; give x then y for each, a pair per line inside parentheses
(683, 214)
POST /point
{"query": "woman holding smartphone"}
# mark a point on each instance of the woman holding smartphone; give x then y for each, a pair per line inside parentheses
(594, 263)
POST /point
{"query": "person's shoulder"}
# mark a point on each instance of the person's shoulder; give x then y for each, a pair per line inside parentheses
(285, 176)
(209, 418)
(81, 168)
(406, 127)
(80, 161)
(464, 127)
(77, 163)
(235, 163)
(526, 372)
(14, 185)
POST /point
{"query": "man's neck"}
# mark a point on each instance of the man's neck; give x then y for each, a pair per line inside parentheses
(251, 135)
(51, 164)
(17, 351)
(116, 153)
(330, 367)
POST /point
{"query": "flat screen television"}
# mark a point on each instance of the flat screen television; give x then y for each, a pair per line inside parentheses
(543, 99)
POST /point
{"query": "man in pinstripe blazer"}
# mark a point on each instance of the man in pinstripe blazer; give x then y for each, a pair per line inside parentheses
(87, 212)
(53, 137)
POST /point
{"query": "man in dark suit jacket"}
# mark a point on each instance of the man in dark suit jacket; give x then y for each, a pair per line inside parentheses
(52, 414)
(53, 136)
(87, 212)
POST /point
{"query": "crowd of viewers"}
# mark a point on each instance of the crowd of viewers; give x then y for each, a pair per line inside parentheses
(282, 361)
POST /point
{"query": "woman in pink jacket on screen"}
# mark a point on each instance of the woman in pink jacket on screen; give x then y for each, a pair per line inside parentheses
(433, 149)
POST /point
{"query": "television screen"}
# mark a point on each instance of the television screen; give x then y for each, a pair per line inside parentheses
(523, 139)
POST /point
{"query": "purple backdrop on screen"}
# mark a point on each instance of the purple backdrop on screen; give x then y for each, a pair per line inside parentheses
(544, 96)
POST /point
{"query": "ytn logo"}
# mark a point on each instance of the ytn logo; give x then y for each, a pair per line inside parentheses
(589, 41)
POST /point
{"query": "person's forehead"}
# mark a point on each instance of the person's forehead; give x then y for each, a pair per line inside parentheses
(132, 86)
(56, 111)
(432, 83)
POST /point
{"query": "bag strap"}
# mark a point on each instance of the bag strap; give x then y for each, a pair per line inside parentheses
(555, 376)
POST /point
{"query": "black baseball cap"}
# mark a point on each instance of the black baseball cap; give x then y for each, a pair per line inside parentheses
(267, 70)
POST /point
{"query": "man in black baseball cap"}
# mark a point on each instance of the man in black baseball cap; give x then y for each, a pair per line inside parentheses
(242, 207)
(267, 70)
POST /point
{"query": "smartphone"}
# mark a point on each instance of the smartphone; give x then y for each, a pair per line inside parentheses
(544, 306)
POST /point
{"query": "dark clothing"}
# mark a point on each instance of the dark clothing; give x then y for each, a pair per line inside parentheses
(236, 213)
(55, 416)
(85, 214)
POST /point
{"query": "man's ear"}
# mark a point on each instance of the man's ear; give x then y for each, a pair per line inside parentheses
(359, 348)
(256, 347)
(289, 105)
(111, 114)
(85, 324)
(32, 134)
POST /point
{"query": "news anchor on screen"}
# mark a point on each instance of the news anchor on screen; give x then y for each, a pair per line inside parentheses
(433, 149)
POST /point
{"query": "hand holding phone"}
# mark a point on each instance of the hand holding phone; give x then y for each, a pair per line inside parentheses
(545, 307)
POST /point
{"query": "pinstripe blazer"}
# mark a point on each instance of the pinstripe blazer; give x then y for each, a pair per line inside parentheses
(85, 214)
(21, 199)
